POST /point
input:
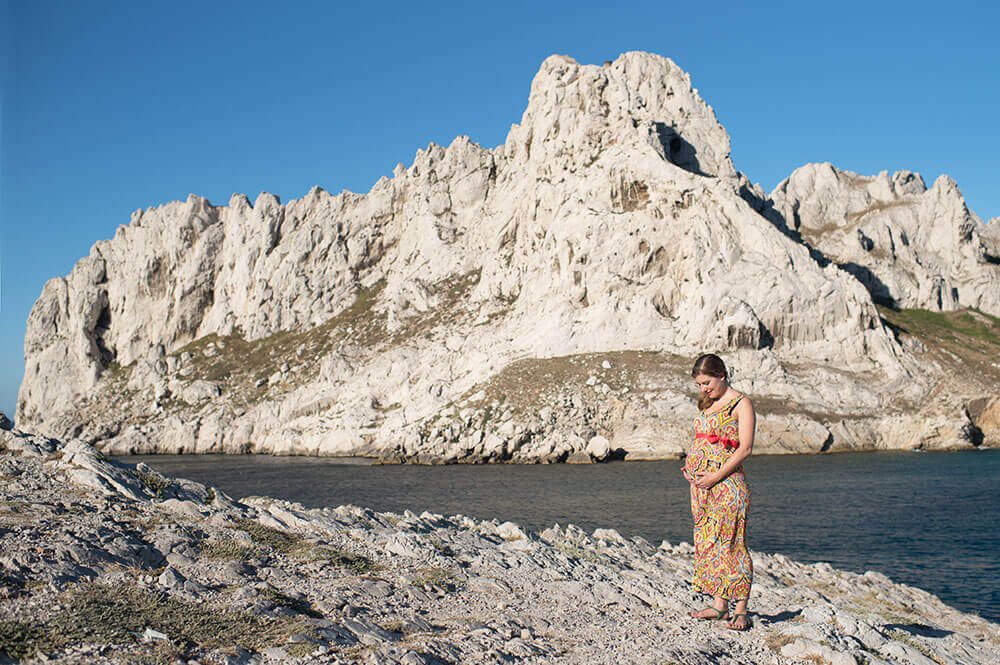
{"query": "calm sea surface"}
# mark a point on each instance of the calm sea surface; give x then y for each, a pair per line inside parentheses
(927, 519)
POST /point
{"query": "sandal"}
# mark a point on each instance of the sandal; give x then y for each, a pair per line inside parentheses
(746, 623)
(721, 614)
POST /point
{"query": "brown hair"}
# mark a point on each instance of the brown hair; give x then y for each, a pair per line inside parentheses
(708, 364)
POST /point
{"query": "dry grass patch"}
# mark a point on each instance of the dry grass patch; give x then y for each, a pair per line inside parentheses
(227, 549)
(117, 615)
(297, 605)
(971, 336)
(436, 577)
(907, 638)
(266, 536)
(240, 364)
(285, 543)
(876, 207)
(354, 562)
(775, 641)
(526, 383)
(814, 658)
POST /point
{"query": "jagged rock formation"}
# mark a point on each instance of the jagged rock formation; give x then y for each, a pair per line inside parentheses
(911, 246)
(989, 233)
(504, 304)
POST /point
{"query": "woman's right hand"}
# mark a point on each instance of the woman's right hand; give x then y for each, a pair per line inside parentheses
(687, 475)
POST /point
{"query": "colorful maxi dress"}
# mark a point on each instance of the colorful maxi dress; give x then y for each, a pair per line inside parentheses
(722, 565)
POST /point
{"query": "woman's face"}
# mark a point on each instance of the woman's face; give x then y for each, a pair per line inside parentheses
(712, 386)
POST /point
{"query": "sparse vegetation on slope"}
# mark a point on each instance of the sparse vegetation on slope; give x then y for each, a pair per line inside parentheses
(965, 341)
(119, 615)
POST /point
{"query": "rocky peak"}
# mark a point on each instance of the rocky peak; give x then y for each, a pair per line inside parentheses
(911, 246)
(989, 233)
(575, 111)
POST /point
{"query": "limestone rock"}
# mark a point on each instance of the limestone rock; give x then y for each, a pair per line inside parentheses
(984, 412)
(479, 591)
(599, 448)
(909, 245)
(610, 228)
(791, 434)
(804, 648)
(989, 233)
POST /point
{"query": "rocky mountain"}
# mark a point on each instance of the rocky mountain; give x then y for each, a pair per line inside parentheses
(910, 246)
(540, 301)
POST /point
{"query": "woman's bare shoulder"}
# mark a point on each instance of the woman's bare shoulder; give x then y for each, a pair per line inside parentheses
(745, 405)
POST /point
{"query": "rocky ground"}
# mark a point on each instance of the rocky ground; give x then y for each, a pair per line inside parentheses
(103, 562)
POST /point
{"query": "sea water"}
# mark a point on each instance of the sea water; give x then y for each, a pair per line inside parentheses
(927, 519)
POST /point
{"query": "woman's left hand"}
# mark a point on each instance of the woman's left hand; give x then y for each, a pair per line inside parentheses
(707, 481)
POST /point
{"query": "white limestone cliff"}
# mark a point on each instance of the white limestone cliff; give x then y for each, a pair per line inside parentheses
(910, 245)
(500, 304)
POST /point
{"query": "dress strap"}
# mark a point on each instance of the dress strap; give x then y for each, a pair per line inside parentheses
(732, 404)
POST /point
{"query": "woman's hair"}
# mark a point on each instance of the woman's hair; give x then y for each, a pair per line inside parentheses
(708, 364)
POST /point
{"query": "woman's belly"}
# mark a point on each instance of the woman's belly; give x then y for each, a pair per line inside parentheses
(705, 458)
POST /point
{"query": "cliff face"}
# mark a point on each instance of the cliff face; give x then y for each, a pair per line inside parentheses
(512, 303)
(909, 245)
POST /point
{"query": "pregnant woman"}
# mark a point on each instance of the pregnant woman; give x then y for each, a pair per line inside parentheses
(724, 431)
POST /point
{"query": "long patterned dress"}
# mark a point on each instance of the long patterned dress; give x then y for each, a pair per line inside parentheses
(722, 565)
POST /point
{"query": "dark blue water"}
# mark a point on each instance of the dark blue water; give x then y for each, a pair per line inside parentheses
(927, 519)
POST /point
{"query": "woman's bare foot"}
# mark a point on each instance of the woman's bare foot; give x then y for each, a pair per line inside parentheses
(738, 622)
(710, 613)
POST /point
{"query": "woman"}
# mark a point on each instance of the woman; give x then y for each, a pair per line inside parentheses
(724, 431)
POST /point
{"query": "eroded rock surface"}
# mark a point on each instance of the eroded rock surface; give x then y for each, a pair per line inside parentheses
(910, 245)
(123, 564)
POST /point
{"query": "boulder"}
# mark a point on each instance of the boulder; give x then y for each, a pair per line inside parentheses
(599, 448)
(984, 412)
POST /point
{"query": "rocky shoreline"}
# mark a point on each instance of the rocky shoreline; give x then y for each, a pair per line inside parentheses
(105, 562)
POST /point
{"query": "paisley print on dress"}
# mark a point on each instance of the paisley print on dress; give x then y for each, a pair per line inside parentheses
(722, 565)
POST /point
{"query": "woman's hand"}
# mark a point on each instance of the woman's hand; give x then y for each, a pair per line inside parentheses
(707, 481)
(687, 475)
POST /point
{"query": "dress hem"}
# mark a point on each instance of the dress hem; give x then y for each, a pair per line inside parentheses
(728, 595)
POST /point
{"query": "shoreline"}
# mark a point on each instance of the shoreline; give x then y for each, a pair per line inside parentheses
(360, 460)
(348, 584)
(807, 508)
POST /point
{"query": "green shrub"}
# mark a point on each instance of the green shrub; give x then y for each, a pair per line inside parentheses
(156, 483)
(227, 550)
(283, 600)
(20, 640)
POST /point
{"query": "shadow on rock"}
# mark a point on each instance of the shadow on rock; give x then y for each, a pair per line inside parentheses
(920, 629)
(779, 617)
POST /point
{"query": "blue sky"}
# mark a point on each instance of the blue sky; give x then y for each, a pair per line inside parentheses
(106, 107)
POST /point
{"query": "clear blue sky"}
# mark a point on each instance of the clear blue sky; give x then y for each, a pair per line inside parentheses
(106, 107)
